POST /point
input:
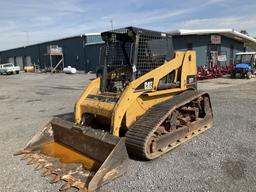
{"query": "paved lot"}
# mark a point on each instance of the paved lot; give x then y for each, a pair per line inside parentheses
(221, 159)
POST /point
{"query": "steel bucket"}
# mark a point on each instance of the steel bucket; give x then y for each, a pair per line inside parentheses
(85, 158)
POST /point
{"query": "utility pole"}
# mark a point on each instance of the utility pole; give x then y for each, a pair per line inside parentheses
(111, 23)
(27, 37)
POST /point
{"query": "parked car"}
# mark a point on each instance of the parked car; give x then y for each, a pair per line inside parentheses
(9, 68)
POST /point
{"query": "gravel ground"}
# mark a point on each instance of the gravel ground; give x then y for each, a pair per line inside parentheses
(221, 159)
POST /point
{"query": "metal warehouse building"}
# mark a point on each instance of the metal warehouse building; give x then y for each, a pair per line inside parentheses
(213, 46)
(83, 52)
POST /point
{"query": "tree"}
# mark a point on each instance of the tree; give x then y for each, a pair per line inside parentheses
(244, 32)
(250, 46)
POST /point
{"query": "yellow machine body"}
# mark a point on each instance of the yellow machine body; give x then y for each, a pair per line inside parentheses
(144, 102)
(131, 103)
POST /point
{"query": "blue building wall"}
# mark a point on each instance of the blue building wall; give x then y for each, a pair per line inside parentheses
(228, 45)
(202, 43)
(82, 52)
(74, 49)
(199, 44)
(93, 52)
(73, 52)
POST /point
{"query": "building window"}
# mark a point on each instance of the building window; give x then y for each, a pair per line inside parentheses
(190, 46)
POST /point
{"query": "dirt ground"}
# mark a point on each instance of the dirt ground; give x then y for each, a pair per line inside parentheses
(221, 159)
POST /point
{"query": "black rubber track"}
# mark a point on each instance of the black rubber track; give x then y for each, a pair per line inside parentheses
(138, 134)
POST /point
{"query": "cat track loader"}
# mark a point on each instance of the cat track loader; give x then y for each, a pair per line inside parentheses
(144, 102)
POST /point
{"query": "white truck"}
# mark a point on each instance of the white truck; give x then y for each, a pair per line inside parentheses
(9, 68)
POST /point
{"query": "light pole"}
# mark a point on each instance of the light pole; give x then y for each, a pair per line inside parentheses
(27, 37)
(111, 23)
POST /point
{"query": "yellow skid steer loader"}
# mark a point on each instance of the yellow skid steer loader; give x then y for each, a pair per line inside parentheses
(144, 102)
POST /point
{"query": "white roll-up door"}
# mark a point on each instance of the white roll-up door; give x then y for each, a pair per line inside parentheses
(19, 62)
(11, 60)
(28, 61)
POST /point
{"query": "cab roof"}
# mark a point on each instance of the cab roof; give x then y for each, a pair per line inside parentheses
(246, 53)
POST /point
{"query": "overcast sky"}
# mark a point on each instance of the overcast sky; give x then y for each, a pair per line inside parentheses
(33, 21)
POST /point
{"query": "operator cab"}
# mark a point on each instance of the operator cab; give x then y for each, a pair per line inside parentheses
(248, 58)
(245, 64)
(130, 53)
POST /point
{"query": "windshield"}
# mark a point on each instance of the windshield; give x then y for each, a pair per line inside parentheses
(244, 59)
(8, 65)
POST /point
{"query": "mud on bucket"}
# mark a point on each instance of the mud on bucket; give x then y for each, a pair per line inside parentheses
(84, 158)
